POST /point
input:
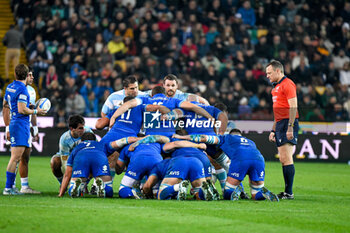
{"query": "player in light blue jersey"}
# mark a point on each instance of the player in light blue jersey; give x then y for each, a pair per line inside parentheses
(89, 157)
(245, 159)
(158, 98)
(140, 162)
(16, 105)
(171, 85)
(67, 142)
(113, 101)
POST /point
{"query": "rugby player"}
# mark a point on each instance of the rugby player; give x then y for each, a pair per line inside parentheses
(245, 159)
(16, 102)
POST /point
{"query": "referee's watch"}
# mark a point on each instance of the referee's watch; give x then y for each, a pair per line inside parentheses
(291, 125)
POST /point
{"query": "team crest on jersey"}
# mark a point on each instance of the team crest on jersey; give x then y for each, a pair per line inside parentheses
(104, 168)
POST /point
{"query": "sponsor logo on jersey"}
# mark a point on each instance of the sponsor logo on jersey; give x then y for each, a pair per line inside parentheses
(77, 172)
(174, 173)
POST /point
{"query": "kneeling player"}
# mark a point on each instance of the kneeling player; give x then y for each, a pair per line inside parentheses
(68, 141)
(245, 159)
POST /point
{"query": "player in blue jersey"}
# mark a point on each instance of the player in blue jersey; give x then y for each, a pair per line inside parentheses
(139, 163)
(245, 159)
(89, 157)
(16, 103)
(159, 98)
(113, 101)
(23, 164)
(157, 174)
(68, 141)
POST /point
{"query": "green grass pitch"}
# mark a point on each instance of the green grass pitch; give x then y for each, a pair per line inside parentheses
(322, 204)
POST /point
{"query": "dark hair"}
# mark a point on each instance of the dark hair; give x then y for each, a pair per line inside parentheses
(276, 65)
(88, 137)
(75, 120)
(21, 72)
(235, 131)
(129, 80)
(181, 132)
(170, 77)
(127, 98)
(158, 90)
(221, 106)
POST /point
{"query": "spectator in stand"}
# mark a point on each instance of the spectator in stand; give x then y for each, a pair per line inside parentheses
(75, 104)
(248, 14)
(185, 50)
(40, 59)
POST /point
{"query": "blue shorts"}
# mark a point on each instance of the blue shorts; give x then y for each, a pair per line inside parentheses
(212, 150)
(185, 168)
(19, 133)
(113, 136)
(281, 130)
(204, 159)
(141, 165)
(254, 168)
(90, 162)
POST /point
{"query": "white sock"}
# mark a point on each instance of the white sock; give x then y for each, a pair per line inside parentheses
(24, 182)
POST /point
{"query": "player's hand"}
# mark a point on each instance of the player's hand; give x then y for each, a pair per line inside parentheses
(36, 138)
(272, 137)
(289, 133)
(164, 117)
(176, 136)
(202, 146)
(41, 112)
(8, 136)
(132, 147)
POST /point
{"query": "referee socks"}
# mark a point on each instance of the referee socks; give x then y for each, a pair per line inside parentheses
(288, 174)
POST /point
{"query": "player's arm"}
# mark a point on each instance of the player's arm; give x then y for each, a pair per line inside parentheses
(23, 109)
(66, 178)
(293, 106)
(102, 123)
(273, 132)
(173, 115)
(115, 145)
(122, 109)
(147, 187)
(149, 139)
(153, 108)
(182, 144)
(194, 108)
(208, 139)
(224, 120)
(6, 117)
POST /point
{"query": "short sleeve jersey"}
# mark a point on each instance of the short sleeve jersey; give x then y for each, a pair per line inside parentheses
(67, 142)
(283, 91)
(17, 92)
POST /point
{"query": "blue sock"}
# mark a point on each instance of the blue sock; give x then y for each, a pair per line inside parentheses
(124, 192)
(241, 186)
(167, 193)
(259, 196)
(288, 174)
(227, 194)
(201, 194)
(10, 179)
(109, 189)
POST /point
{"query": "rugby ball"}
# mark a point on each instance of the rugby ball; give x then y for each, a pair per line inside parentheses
(43, 103)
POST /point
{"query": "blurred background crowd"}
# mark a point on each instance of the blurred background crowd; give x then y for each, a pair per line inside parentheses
(81, 50)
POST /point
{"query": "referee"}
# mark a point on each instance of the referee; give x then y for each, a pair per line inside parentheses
(285, 126)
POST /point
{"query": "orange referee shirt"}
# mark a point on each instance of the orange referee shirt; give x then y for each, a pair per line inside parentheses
(281, 93)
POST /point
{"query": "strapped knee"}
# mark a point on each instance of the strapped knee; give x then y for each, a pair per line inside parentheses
(254, 189)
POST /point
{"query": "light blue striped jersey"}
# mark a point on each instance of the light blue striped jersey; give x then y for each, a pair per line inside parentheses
(67, 142)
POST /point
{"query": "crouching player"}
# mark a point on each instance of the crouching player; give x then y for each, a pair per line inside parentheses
(245, 159)
(175, 172)
(140, 159)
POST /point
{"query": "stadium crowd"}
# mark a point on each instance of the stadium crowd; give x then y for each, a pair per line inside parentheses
(82, 50)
